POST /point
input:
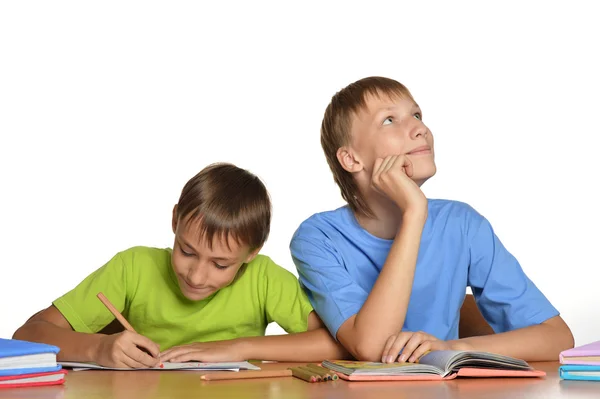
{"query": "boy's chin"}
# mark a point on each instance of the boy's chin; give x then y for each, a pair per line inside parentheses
(196, 296)
(422, 177)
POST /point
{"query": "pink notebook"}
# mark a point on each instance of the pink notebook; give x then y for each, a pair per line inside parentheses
(585, 354)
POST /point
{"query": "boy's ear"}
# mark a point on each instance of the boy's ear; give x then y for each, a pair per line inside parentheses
(348, 159)
(252, 255)
(174, 221)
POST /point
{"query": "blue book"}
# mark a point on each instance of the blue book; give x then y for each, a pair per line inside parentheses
(579, 372)
(24, 357)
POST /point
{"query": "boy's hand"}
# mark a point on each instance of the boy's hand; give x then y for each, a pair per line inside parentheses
(392, 177)
(217, 351)
(413, 345)
(126, 350)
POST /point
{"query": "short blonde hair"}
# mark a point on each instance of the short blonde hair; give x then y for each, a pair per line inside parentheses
(337, 124)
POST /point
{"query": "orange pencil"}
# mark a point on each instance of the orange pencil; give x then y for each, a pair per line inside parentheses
(241, 375)
(120, 317)
(115, 312)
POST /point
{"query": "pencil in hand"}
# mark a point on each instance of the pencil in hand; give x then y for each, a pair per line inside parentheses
(112, 309)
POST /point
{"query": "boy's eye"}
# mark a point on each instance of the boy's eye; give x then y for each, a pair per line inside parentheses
(418, 116)
(185, 253)
(221, 267)
(388, 120)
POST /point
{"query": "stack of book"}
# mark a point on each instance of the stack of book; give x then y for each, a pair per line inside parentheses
(581, 363)
(24, 363)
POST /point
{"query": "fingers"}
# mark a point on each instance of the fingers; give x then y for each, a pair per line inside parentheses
(142, 350)
(413, 343)
(147, 344)
(132, 363)
(399, 341)
(187, 357)
(408, 166)
(388, 163)
(424, 348)
(169, 354)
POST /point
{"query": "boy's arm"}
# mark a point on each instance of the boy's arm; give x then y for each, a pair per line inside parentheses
(363, 321)
(527, 324)
(541, 342)
(382, 315)
(51, 327)
(314, 345)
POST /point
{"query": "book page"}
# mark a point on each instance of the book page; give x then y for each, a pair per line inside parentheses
(453, 360)
(440, 359)
(223, 366)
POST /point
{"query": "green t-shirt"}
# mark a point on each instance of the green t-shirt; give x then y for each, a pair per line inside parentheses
(141, 284)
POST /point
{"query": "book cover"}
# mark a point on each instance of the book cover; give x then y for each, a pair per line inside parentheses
(585, 354)
(32, 380)
(579, 372)
(24, 357)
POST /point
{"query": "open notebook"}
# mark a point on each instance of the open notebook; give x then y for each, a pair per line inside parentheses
(436, 365)
(225, 366)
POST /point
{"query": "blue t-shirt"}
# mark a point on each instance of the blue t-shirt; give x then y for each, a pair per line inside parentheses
(338, 263)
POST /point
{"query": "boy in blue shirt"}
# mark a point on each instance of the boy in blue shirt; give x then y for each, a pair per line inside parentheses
(387, 273)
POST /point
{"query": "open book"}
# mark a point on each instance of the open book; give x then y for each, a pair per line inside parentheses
(436, 365)
(223, 366)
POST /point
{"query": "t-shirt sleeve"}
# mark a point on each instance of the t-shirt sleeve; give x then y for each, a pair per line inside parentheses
(285, 302)
(82, 308)
(332, 291)
(507, 298)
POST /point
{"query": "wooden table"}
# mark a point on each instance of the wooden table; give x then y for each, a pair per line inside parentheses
(187, 384)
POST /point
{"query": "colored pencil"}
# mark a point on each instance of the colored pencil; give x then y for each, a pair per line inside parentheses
(323, 372)
(241, 375)
(312, 372)
(115, 312)
(111, 308)
(303, 374)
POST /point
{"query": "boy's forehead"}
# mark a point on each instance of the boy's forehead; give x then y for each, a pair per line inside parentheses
(195, 234)
(375, 103)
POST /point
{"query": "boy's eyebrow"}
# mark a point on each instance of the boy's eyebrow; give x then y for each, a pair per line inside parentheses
(187, 244)
(213, 258)
(225, 259)
(391, 108)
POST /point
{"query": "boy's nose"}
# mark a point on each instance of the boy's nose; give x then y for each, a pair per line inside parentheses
(418, 130)
(198, 276)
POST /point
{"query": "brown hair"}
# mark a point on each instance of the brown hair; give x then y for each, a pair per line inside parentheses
(228, 201)
(337, 125)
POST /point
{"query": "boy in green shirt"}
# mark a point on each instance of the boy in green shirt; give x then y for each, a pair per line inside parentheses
(208, 299)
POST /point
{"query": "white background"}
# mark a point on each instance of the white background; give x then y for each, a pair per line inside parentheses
(108, 108)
